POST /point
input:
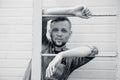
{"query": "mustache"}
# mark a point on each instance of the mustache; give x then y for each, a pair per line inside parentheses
(55, 44)
(58, 39)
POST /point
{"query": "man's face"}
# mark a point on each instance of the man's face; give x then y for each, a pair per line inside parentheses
(60, 33)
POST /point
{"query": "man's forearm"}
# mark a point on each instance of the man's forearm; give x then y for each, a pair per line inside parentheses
(79, 11)
(58, 11)
(83, 51)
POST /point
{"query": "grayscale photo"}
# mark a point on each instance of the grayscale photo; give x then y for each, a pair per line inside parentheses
(79, 41)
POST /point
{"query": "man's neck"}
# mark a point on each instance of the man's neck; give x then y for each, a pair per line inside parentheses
(59, 48)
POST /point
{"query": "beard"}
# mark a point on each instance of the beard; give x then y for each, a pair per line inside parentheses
(58, 45)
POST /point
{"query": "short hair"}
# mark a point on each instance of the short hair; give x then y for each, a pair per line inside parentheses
(57, 19)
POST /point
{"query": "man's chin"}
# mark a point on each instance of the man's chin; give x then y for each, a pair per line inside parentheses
(59, 44)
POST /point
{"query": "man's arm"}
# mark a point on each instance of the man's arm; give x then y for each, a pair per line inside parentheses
(83, 51)
(79, 11)
(80, 61)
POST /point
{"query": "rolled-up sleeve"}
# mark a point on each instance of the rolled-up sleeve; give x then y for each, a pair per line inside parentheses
(80, 61)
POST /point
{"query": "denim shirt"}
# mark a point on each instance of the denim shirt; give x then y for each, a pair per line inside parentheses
(66, 66)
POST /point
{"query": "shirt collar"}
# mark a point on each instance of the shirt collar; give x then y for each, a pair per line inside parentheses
(56, 52)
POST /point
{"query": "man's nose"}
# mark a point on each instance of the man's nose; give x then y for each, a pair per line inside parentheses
(59, 33)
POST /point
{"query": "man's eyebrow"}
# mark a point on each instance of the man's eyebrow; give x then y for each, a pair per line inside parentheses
(54, 29)
(64, 29)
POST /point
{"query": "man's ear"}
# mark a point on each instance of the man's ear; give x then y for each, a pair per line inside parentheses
(70, 33)
(49, 31)
(48, 34)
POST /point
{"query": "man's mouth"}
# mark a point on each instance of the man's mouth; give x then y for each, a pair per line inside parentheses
(58, 39)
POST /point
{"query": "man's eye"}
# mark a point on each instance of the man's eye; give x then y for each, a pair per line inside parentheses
(64, 31)
(54, 30)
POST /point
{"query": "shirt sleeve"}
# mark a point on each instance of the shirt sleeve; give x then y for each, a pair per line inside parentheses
(80, 61)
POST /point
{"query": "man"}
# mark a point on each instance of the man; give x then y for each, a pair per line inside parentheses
(65, 61)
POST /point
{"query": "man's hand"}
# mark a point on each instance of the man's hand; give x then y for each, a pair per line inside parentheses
(94, 51)
(82, 12)
(52, 65)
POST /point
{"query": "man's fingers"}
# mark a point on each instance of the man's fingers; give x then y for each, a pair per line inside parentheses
(52, 66)
(53, 69)
(83, 9)
(86, 13)
(46, 75)
(82, 12)
(47, 72)
(50, 71)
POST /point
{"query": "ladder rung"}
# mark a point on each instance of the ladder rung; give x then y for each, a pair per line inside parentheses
(104, 15)
(90, 56)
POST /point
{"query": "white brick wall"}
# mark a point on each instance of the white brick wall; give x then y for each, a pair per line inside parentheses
(118, 42)
(15, 38)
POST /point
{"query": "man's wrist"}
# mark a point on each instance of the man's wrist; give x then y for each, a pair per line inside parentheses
(60, 55)
(71, 11)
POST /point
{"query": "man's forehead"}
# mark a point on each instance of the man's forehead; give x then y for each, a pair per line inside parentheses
(61, 24)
